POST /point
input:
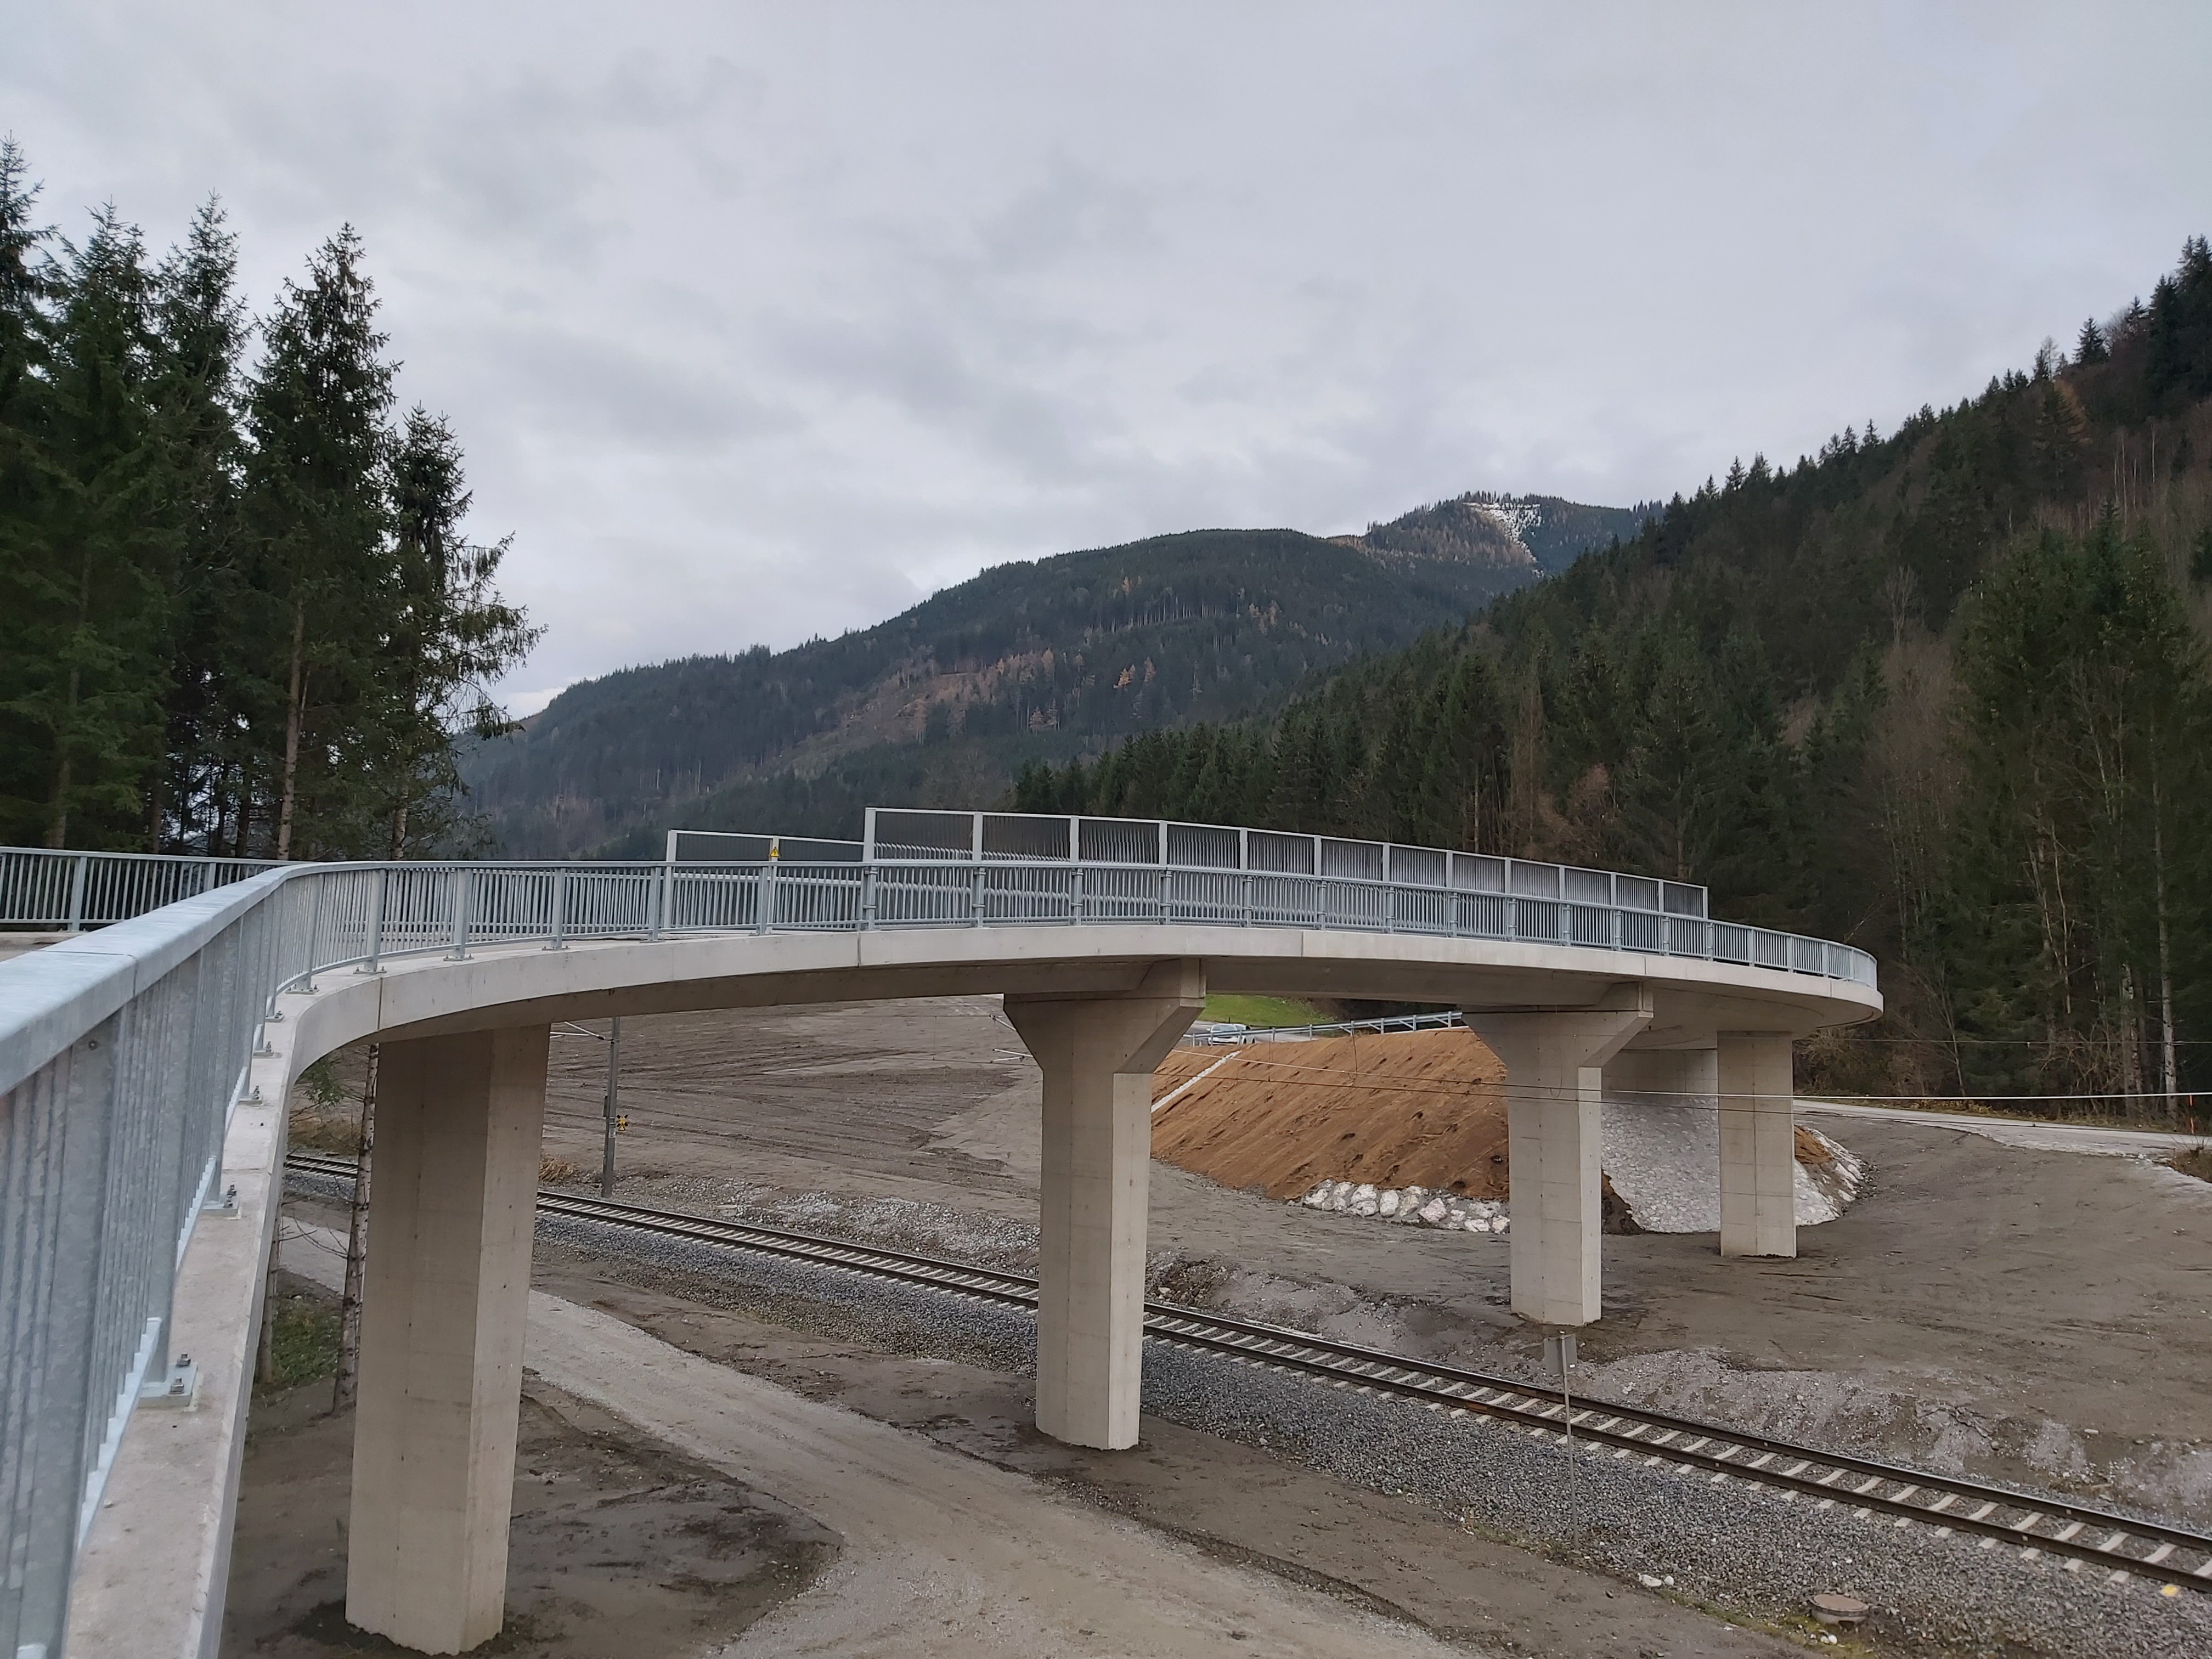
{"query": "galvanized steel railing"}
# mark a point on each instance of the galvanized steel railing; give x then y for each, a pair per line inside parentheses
(70, 891)
(123, 1050)
(1205, 1035)
(120, 1054)
(909, 834)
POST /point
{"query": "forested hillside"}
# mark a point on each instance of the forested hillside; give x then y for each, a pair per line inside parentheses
(1028, 660)
(1942, 693)
(238, 613)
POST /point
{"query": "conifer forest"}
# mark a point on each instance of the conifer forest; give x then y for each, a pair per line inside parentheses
(1942, 693)
(241, 614)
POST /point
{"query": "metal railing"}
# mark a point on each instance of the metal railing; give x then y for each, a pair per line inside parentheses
(914, 834)
(69, 891)
(121, 1054)
(123, 1051)
(1207, 1035)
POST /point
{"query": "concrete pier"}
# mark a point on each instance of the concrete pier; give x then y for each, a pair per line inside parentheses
(446, 1299)
(1554, 1092)
(1097, 1054)
(1758, 1145)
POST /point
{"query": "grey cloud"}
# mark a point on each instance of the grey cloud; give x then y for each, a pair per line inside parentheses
(762, 321)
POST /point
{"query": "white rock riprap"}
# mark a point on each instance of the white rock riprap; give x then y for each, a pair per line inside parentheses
(1416, 1205)
(1663, 1160)
(1662, 1154)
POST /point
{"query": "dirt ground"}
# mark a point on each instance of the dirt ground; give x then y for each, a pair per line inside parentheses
(1390, 1575)
(620, 1547)
(2038, 1315)
(2031, 1315)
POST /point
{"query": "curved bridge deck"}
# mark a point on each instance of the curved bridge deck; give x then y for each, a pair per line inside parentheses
(147, 1065)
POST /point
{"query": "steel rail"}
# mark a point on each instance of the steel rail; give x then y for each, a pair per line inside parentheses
(1868, 1486)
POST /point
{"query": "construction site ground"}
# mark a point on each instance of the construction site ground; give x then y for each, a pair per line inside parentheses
(2017, 1313)
(1194, 1545)
(2043, 1316)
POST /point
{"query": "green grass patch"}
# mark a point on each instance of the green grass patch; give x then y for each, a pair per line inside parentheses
(1265, 1013)
(305, 1343)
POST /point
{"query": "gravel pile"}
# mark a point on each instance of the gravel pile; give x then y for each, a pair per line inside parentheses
(1720, 1543)
(1412, 1205)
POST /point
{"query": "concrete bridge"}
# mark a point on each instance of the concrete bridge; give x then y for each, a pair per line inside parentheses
(147, 1066)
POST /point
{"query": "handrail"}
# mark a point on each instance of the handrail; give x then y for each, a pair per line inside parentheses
(41, 887)
(376, 911)
(1203, 1035)
(123, 1048)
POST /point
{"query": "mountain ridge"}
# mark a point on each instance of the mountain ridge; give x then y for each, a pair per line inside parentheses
(1034, 659)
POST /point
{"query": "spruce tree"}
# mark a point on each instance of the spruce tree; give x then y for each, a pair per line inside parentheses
(317, 513)
(28, 483)
(94, 586)
(447, 635)
(200, 327)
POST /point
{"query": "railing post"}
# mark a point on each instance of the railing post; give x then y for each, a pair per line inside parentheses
(559, 941)
(207, 876)
(764, 910)
(660, 893)
(1074, 894)
(867, 897)
(1248, 898)
(460, 950)
(314, 934)
(975, 894)
(373, 964)
(78, 870)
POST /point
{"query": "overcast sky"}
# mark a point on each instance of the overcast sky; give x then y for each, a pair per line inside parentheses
(764, 321)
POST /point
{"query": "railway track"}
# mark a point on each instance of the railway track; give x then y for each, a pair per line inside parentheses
(2077, 1535)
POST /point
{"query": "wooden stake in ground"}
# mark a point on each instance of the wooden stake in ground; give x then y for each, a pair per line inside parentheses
(341, 1391)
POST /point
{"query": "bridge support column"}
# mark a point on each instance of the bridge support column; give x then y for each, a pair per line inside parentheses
(1758, 1145)
(446, 1295)
(1554, 1092)
(1097, 1056)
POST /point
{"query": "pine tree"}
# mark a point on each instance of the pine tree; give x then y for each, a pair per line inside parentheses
(94, 584)
(200, 327)
(316, 512)
(447, 635)
(27, 485)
